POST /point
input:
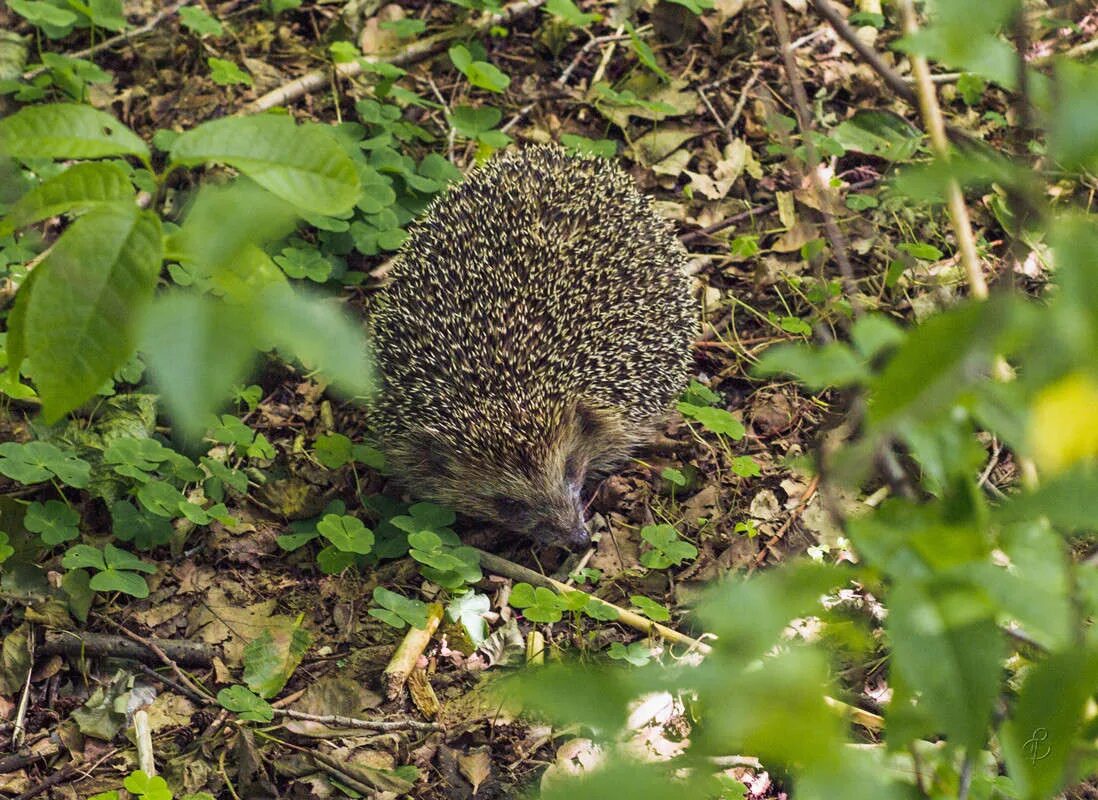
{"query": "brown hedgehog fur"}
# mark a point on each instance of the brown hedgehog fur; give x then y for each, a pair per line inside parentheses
(537, 326)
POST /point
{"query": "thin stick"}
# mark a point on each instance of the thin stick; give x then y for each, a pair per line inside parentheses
(338, 721)
(804, 120)
(935, 128)
(871, 56)
(318, 79)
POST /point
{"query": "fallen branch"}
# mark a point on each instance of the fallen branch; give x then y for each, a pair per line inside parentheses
(318, 79)
(410, 649)
(74, 644)
(338, 721)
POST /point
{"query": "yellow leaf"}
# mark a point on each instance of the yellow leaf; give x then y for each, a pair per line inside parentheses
(1064, 423)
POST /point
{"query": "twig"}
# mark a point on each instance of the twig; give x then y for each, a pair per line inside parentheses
(411, 648)
(163, 656)
(871, 56)
(338, 721)
(804, 119)
(935, 127)
(318, 79)
(106, 44)
(74, 644)
(509, 569)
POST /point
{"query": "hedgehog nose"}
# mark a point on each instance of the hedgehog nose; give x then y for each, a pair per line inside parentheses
(578, 537)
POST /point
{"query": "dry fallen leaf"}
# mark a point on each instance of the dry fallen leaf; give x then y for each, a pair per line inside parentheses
(476, 767)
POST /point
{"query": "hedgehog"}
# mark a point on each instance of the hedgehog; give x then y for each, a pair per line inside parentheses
(536, 327)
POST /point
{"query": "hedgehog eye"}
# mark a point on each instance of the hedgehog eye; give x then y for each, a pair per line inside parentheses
(509, 506)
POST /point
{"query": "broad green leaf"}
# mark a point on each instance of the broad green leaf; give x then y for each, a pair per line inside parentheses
(80, 186)
(946, 646)
(303, 164)
(83, 556)
(1040, 739)
(78, 327)
(833, 364)
(407, 609)
(939, 360)
(346, 533)
(246, 703)
(1073, 129)
(715, 420)
(67, 130)
(197, 349)
(271, 658)
(878, 133)
(321, 336)
(112, 580)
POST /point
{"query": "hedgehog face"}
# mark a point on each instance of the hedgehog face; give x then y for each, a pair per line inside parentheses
(531, 485)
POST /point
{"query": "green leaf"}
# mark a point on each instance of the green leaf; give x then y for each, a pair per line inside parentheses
(111, 580)
(946, 646)
(55, 522)
(878, 133)
(1041, 739)
(874, 333)
(198, 22)
(246, 703)
(668, 549)
(715, 420)
(637, 653)
(145, 529)
(148, 787)
(406, 609)
(650, 608)
(479, 73)
(79, 187)
(570, 13)
(34, 462)
(43, 14)
(83, 556)
(1073, 128)
(67, 130)
(333, 450)
(78, 326)
(226, 73)
(346, 533)
(323, 337)
(304, 165)
(197, 348)
(833, 364)
(271, 658)
(470, 121)
(940, 359)
(160, 498)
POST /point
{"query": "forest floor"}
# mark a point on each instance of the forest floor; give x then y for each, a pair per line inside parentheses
(701, 114)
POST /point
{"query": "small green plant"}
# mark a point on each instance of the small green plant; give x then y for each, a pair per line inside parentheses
(666, 547)
(478, 72)
(115, 569)
(397, 610)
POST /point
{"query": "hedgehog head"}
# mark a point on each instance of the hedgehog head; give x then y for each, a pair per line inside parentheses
(532, 482)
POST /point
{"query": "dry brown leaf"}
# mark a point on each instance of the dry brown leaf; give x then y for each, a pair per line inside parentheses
(476, 767)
